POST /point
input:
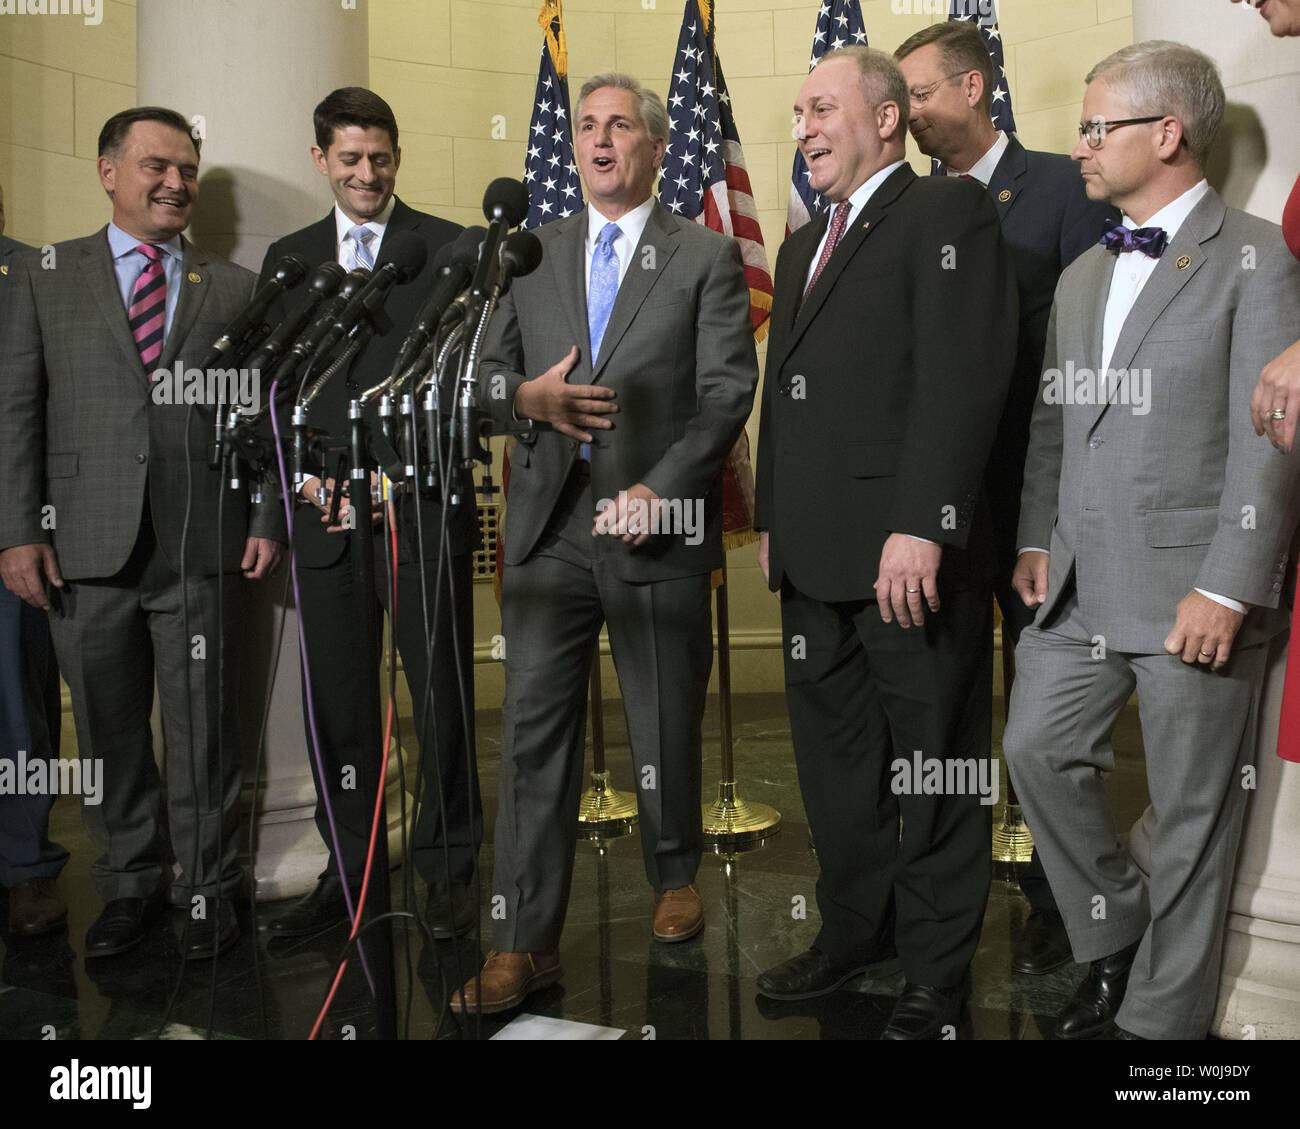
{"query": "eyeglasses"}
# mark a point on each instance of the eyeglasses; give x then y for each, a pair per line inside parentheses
(1095, 130)
(921, 95)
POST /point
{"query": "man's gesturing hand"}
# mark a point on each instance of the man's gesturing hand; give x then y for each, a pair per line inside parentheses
(569, 408)
(1204, 631)
(908, 580)
(1030, 577)
(25, 568)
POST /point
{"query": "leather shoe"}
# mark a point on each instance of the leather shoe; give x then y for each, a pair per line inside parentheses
(320, 908)
(923, 1011)
(121, 925)
(812, 974)
(506, 979)
(213, 936)
(679, 915)
(1041, 944)
(1091, 1010)
(35, 907)
(450, 915)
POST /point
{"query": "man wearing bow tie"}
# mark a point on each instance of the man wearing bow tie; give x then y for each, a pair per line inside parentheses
(1153, 526)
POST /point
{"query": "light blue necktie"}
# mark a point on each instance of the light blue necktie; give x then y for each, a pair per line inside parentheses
(361, 256)
(601, 292)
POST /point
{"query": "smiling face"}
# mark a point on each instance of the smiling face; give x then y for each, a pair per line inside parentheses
(843, 141)
(616, 155)
(1283, 16)
(361, 165)
(153, 181)
(942, 122)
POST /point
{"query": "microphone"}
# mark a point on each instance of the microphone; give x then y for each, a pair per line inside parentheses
(352, 282)
(324, 281)
(521, 254)
(505, 205)
(453, 267)
(289, 271)
(406, 258)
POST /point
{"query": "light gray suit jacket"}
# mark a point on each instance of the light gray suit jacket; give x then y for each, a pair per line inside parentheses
(679, 352)
(1142, 507)
(79, 430)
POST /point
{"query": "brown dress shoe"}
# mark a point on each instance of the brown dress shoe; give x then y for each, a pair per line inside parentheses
(506, 979)
(35, 907)
(679, 914)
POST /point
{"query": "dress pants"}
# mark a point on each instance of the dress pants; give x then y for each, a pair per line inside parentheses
(862, 693)
(113, 638)
(552, 608)
(328, 618)
(1198, 731)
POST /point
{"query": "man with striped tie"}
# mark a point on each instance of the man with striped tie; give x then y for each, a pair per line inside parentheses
(108, 488)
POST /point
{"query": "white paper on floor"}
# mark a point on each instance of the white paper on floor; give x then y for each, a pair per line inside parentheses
(543, 1027)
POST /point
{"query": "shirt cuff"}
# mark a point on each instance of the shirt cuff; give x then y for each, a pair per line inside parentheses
(1032, 549)
(1226, 601)
(923, 540)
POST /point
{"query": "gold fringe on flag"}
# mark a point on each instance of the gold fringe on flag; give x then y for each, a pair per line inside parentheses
(558, 47)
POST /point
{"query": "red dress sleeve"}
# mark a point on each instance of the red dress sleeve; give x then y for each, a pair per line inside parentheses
(1291, 221)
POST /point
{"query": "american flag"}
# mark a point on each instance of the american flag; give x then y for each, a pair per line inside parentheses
(704, 179)
(970, 11)
(839, 24)
(554, 190)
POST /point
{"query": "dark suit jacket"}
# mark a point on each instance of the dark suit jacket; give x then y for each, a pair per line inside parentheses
(80, 430)
(316, 244)
(1048, 222)
(679, 352)
(883, 391)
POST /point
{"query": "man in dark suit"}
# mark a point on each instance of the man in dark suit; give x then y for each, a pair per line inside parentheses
(1048, 222)
(109, 483)
(356, 149)
(29, 722)
(633, 341)
(893, 331)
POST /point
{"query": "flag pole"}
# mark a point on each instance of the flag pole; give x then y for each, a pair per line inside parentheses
(604, 812)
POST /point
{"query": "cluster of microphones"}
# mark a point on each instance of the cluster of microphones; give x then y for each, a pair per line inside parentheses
(339, 311)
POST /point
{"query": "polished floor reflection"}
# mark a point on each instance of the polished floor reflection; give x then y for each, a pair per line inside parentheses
(616, 975)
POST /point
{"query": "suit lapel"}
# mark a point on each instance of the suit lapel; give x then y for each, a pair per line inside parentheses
(1004, 188)
(637, 282)
(97, 269)
(402, 219)
(565, 254)
(194, 283)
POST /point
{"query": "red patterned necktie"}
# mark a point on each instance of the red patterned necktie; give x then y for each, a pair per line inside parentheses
(147, 313)
(839, 221)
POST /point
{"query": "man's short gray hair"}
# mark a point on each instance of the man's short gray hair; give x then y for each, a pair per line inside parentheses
(653, 115)
(879, 75)
(1162, 77)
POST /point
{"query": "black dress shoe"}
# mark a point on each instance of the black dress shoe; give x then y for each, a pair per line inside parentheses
(923, 1011)
(1091, 1010)
(812, 974)
(214, 935)
(320, 908)
(450, 916)
(120, 926)
(1041, 944)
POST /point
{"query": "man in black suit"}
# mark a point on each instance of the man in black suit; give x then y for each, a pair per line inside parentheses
(1048, 222)
(356, 149)
(893, 333)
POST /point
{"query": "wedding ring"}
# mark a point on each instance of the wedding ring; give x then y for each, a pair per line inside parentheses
(1277, 413)
(914, 589)
(1207, 654)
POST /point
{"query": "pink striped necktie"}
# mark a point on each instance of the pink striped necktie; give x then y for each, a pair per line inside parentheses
(147, 313)
(839, 221)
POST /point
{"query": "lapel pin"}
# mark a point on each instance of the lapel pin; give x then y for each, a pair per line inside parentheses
(194, 276)
(866, 224)
(1004, 195)
(1184, 261)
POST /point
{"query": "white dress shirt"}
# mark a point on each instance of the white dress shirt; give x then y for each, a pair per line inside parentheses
(982, 170)
(630, 226)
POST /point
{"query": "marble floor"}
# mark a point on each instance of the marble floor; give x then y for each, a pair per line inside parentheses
(615, 976)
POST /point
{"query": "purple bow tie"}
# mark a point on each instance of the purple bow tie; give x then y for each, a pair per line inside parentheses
(1150, 241)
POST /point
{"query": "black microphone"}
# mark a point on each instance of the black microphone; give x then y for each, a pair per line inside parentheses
(453, 267)
(407, 254)
(289, 271)
(505, 205)
(521, 254)
(307, 341)
(324, 281)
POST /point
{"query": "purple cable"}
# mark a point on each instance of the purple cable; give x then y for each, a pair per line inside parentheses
(306, 681)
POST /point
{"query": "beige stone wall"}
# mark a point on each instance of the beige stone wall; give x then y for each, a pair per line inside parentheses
(460, 75)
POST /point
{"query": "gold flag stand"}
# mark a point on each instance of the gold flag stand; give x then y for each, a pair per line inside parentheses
(732, 824)
(1012, 842)
(604, 812)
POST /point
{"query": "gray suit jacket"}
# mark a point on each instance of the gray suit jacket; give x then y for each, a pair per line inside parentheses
(80, 431)
(679, 352)
(1144, 506)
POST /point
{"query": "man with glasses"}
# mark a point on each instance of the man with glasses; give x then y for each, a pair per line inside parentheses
(1048, 222)
(1167, 522)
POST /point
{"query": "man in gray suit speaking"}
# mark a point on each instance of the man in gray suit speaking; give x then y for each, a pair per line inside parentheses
(113, 522)
(1153, 534)
(633, 342)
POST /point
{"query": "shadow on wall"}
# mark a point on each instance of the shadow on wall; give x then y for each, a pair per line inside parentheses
(239, 222)
(1238, 156)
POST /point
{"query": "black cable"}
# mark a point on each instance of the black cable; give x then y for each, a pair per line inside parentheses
(221, 738)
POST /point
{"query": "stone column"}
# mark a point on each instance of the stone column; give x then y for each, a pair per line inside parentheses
(248, 73)
(1256, 163)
